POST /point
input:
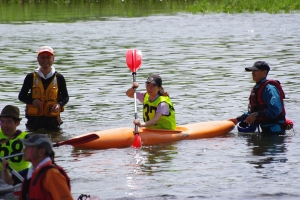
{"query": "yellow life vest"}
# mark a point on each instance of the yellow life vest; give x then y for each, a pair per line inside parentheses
(149, 110)
(48, 97)
(14, 146)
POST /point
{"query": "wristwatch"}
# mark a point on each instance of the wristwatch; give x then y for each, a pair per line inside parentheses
(256, 114)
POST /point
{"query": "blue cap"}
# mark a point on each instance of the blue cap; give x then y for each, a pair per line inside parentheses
(243, 127)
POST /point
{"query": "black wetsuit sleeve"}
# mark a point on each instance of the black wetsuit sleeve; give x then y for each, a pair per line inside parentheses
(24, 94)
(63, 94)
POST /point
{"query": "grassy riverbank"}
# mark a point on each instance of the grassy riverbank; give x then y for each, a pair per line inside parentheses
(68, 10)
(242, 6)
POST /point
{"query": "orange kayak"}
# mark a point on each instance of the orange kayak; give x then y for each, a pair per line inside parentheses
(123, 137)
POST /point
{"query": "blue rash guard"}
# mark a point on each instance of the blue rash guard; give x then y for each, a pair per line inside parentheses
(271, 97)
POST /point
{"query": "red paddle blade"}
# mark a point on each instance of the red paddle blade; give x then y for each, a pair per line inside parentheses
(133, 59)
(79, 140)
(137, 143)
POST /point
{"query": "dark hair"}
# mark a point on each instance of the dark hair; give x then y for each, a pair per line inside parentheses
(267, 72)
(13, 118)
(162, 92)
(51, 155)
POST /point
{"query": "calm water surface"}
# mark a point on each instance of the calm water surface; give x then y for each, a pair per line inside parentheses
(201, 59)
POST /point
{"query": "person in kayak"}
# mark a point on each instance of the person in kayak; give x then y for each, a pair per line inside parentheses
(10, 140)
(158, 110)
(45, 93)
(266, 108)
(45, 179)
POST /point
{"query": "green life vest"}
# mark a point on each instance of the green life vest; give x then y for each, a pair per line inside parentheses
(14, 146)
(149, 110)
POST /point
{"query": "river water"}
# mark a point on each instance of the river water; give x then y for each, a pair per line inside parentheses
(201, 59)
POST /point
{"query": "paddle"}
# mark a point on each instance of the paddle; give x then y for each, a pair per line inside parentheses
(14, 172)
(134, 61)
(79, 140)
(73, 141)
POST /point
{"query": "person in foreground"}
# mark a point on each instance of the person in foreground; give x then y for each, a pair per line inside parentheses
(266, 107)
(44, 180)
(9, 140)
(158, 110)
(45, 93)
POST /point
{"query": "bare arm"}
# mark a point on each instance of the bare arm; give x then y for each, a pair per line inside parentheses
(6, 176)
(151, 122)
(234, 120)
(130, 91)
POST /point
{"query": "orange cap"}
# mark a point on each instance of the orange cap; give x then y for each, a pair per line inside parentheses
(46, 49)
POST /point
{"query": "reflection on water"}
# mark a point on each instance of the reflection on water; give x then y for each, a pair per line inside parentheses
(201, 59)
(158, 157)
(271, 149)
(78, 154)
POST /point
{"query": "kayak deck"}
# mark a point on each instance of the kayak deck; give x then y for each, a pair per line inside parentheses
(123, 137)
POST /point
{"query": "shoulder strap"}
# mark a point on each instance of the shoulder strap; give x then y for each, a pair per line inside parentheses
(273, 82)
(43, 171)
(13, 136)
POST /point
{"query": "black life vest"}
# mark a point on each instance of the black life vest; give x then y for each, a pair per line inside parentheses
(256, 102)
